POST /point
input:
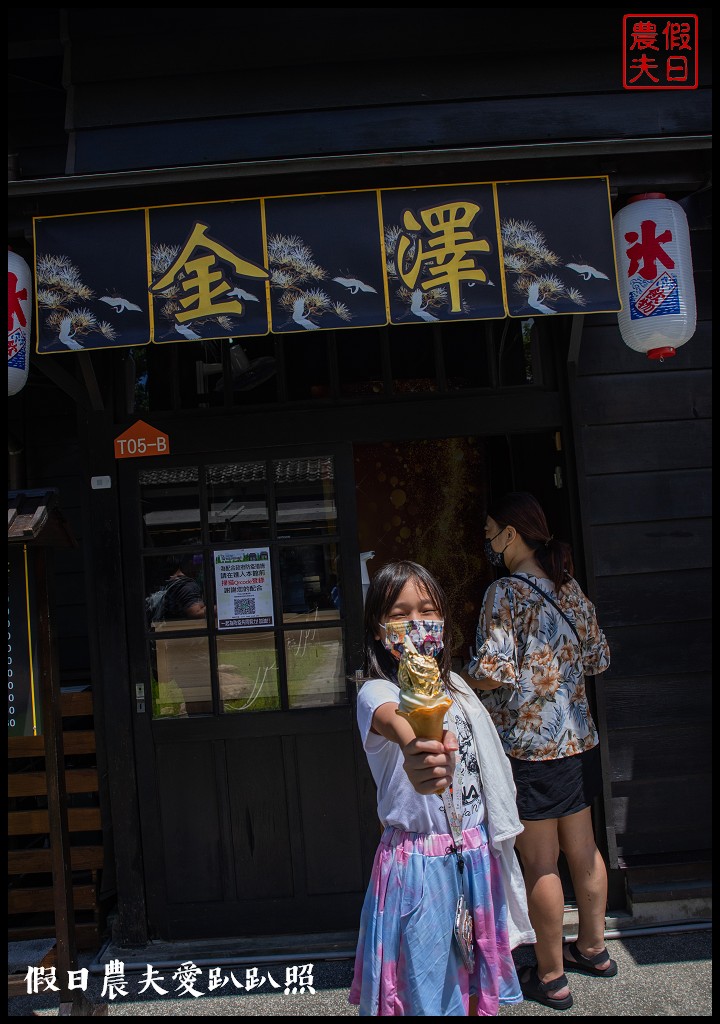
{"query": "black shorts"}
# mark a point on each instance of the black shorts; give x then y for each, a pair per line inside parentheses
(554, 789)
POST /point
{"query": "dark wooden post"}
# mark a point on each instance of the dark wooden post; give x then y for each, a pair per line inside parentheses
(56, 793)
(33, 530)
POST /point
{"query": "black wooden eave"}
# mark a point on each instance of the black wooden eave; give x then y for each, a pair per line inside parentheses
(233, 170)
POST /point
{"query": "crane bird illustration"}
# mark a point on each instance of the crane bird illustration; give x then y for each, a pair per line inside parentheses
(67, 335)
(534, 299)
(586, 271)
(354, 286)
(119, 304)
(238, 293)
(416, 307)
(186, 332)
(299, 317)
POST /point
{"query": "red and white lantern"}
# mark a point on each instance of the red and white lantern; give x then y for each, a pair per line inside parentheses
(655, 274)
(19, 321)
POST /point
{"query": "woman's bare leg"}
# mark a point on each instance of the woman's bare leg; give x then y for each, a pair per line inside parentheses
(539, 849)
(589, 879)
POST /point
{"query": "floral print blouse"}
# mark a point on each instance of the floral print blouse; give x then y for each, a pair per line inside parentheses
(540, 710)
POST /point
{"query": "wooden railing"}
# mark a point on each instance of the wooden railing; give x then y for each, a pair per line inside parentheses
(30, 886)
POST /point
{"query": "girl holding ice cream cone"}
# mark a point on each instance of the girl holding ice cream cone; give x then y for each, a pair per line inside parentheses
(434, 849)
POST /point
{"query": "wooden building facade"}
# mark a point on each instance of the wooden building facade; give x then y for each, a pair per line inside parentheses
(235, 809)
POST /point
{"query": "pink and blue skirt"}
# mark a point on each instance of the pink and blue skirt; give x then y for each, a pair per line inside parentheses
(407, 963)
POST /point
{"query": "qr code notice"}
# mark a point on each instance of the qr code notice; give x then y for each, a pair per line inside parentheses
(244, 605)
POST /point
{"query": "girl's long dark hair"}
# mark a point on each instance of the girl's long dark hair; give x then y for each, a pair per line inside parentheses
(524, 513)
(382, 594)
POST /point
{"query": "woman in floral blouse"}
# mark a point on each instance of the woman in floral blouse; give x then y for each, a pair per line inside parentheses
(537, 638)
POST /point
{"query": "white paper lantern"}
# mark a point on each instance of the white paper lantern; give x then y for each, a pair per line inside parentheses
(19, 321)
(655, 275)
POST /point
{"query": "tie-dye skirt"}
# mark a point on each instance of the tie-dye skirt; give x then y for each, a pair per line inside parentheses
(407, 963)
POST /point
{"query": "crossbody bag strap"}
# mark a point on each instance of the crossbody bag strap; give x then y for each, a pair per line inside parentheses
(547, 597)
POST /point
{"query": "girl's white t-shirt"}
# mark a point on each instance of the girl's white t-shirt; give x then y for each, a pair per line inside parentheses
(398, 803)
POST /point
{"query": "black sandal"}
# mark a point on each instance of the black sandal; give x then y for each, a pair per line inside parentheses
(538, 991)
(588, 964)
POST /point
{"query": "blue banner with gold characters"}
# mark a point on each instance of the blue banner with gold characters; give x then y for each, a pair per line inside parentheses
(557, 254)
(442, 254)
(208, 271)
(91, 282)
(325, 261)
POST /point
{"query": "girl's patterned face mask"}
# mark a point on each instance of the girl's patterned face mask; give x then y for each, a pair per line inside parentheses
(426, 635)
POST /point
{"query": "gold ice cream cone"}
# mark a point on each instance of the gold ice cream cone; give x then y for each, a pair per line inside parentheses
(427, 723)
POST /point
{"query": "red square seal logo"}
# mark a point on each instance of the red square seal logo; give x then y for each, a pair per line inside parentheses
(660, 51)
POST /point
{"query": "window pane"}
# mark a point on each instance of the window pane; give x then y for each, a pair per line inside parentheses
(309, 579)
(181, 684)
(248, 672)
(305, 497)
(315, 667)
(237, 501)
(170, 503)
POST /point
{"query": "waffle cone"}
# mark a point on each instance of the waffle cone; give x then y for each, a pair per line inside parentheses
(427, 723)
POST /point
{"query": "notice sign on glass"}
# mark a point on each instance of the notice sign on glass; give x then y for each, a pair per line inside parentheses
(243, 587)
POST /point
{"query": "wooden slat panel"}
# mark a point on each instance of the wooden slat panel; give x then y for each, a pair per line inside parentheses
(100, 101)
(327, 806)
(191, 852)
(653, 597)
(16, 985)
(259, 817)
(39, 862)
(652, 547)
(602, 351)
(77, 780)
(663, 819)
(670, 444)
(634, 754)
(24, 901)
(76, 703)
(411, 126)
(81, 741)
(86, 933)
(638, 398)
(277, 36)
(33, 823)
(673, 396)
(652, 700)
(636, 497)
(655, 649)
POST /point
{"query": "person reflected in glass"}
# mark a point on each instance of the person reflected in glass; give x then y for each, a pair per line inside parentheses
(182, 595)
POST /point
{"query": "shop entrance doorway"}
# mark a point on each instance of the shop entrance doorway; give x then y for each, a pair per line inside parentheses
(256, 817)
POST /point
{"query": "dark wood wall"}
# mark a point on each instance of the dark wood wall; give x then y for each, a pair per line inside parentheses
(642, 433)
(43, 432)
(156, 87)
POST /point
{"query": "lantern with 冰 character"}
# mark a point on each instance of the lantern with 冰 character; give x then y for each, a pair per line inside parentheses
(19, 321)
(655, 274)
